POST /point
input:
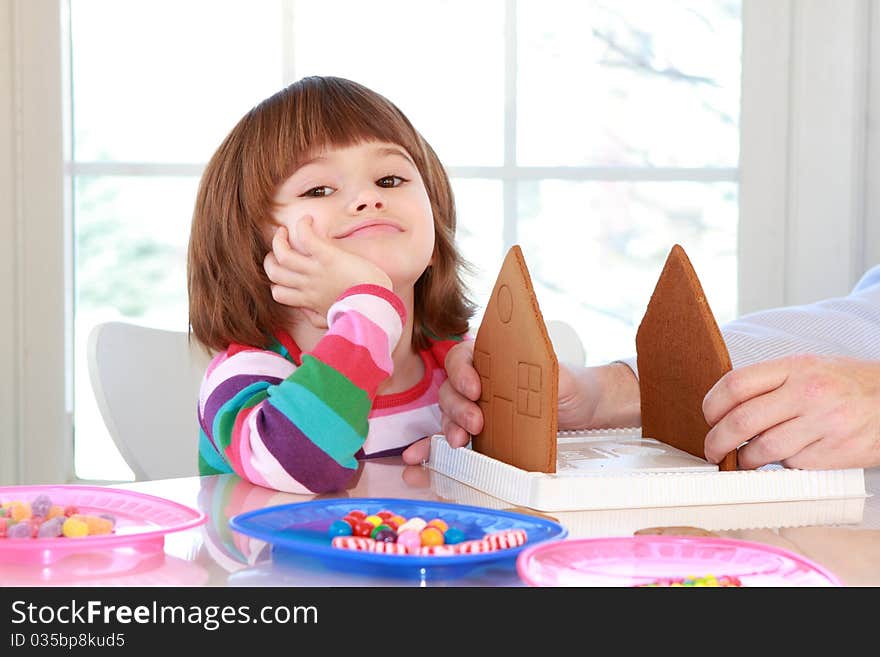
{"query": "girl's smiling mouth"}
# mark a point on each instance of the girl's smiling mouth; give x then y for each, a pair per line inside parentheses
(369, 229)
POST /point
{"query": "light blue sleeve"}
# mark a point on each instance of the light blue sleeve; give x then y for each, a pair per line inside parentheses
(842, 326)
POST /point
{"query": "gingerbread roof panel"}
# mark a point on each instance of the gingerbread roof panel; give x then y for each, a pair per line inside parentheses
(680, 355)
(519, 373)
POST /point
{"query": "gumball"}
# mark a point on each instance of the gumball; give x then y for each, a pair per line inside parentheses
(352, 520)
(439, 524)
(363, 528)
(453, 535)
(384, 514)
(431, 536)
(385, 536)
(379, 528)
(357, 513)
(340, 528)
(374, 520)
(417, 524)
(411, 540)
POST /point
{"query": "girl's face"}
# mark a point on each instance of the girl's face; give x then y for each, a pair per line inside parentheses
(370, 200)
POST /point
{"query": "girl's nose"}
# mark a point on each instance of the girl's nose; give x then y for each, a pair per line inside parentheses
(367, 200)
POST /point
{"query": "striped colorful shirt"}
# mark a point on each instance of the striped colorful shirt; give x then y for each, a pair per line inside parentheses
(299, 422)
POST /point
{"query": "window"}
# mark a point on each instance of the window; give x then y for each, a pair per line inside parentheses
(593, 134)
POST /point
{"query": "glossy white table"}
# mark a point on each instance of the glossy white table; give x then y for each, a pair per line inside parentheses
(842, 535)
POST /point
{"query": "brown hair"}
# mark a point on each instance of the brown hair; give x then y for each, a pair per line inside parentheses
(230, 300)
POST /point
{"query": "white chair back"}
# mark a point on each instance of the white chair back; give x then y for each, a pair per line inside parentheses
(566, 342)
(146, 384)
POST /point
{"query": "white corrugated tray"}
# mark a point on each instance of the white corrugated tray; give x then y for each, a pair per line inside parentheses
(619, 469)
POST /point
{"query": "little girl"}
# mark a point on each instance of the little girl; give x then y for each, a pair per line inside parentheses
(322, 269)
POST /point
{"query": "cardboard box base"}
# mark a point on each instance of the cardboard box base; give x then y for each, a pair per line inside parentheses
(619, 469)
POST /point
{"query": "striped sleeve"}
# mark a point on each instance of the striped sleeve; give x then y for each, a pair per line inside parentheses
(298, 429)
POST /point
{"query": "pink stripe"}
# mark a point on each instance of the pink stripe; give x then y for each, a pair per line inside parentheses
(360, 330)
(382, 293)
(219, 358)
(353, 361)
(244, 449)
(431, 396)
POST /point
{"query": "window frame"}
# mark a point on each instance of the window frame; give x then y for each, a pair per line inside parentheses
(804, 197)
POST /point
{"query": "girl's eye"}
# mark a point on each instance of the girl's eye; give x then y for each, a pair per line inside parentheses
(391, 181)
(317, 192)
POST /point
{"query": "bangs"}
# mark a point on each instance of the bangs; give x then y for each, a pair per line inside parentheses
(315, 114)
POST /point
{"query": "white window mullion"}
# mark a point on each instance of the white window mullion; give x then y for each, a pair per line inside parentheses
(41, 445)
(288, 23)
(509, 236)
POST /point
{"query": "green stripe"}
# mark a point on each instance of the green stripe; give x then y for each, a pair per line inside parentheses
(318, 422)
(210, 462)
(224, 421)
(348, 401)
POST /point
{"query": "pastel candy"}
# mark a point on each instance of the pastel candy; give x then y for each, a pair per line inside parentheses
(19, 530)
(416, 523)
(410, 540)
(73, 528)
(41, 504)
(51, 528)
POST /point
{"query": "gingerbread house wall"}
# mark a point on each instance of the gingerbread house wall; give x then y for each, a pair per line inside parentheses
(519, 374)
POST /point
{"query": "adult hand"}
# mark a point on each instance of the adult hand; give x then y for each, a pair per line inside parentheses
(588, 397)
(310, 272)
(805, 411)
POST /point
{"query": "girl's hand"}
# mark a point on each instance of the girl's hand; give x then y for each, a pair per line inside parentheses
(804, 411)
(312, 273)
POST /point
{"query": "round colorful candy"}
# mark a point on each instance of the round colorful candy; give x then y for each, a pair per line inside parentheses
(453, 535)
(19, 530)
(431, 536)
(439, 523)
(41, 504)
(411, 540)
(74, 528)
(363, 528)
(374, 520)
(385, 536)
(379, 528)
(339, 528)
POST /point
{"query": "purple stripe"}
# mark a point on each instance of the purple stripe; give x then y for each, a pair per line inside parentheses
(394, 451)
(226, 391)
(300, 457)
